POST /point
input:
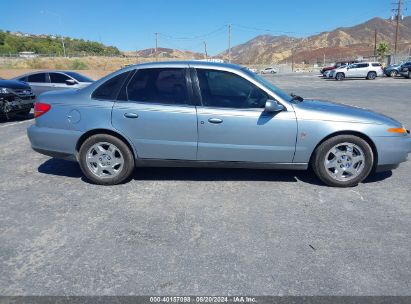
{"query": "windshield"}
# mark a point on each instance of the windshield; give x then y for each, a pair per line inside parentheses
(269, 85)
(79, 77)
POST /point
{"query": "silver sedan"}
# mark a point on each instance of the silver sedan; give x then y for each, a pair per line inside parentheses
(211, 114)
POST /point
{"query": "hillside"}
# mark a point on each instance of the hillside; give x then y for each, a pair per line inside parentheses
(15, 42)
(164, 53)
(343, 42)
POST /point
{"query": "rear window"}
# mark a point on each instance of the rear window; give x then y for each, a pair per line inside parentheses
(109, 89)
(362, 65)
(376, 64)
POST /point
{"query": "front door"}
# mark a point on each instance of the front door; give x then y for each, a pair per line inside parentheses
(58, 81)
(157, 115)
(233, 126)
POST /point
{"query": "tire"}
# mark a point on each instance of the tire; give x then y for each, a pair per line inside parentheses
(409, 75)
(356, 163)
(106, 160)
(340, 76)
(393, 73)
(371, 75)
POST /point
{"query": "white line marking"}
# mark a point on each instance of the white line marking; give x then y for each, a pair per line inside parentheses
(16, 123)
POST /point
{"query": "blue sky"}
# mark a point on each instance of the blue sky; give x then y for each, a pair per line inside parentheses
(130, 24)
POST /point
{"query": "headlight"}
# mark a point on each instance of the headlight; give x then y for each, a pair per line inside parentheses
(4, 91)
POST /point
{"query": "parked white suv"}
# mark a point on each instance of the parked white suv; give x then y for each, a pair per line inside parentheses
(368, 70)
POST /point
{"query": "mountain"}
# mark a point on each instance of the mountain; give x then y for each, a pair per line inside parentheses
(343, 42)
(164, 53)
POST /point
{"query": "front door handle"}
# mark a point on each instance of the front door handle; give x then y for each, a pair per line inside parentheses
(215, 120)
(131, 115)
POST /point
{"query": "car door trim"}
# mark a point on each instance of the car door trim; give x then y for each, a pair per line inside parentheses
(150, 162)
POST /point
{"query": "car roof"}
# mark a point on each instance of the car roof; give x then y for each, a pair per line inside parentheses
(192, 63)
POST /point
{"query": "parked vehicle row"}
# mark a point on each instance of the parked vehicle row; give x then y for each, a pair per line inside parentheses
(368, 70)
(210, 114)
(17, 95)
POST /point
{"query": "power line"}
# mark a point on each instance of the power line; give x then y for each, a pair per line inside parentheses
(221, 28)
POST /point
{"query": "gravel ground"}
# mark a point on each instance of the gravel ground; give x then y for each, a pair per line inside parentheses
(182, 231)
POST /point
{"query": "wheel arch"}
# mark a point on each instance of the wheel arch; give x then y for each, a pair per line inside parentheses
(89, 133)
(354, 133)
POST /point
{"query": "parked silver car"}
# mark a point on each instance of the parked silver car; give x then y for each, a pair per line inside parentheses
(43, 81)
(269, 70)
(209, 114)
(368, 70)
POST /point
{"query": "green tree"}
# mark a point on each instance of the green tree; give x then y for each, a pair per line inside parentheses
(383, 50)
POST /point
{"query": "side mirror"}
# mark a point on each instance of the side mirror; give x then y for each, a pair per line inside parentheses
(272, 106)
(71, 82)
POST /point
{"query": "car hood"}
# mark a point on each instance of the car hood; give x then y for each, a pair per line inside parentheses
(311, 109)
(14, 84)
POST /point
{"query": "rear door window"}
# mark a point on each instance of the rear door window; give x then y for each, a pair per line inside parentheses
(39, 78)
(162, 85)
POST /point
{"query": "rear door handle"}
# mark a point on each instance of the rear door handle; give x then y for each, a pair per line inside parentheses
(131, 115)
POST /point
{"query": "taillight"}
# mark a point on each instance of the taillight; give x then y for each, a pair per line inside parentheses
(41, 108)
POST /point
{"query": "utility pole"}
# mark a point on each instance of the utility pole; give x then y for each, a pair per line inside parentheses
(156, 34)
(398, 13)
(229, 43)
(324, 60)
(205, 50)
(375, 43)
(64, 47)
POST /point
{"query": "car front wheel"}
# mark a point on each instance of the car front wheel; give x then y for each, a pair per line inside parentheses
(340, 76)
(343, 161)
(393, 73)
(106, 160)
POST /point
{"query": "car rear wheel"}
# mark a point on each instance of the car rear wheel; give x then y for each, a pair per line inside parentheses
(393, 73)
(409, 75)
(371, 75)
(340, 76)
(343, 161)
(106, 160)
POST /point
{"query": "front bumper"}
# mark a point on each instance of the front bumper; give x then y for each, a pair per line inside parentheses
(11, 102)
(57, 143)
(392, 150)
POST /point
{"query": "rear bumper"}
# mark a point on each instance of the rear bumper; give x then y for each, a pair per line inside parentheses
(392, 151)
(54, 142)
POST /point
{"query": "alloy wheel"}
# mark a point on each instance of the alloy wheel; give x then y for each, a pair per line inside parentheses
(104, 160)
(344, 161)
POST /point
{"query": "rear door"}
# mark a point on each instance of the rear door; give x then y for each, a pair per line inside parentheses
(232, 123)
(39, 82)
(156, 114)
(362, 70)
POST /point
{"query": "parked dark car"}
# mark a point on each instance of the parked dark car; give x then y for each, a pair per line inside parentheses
(406, 70)
(393, 70)
(16, 97)
(337, 65)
